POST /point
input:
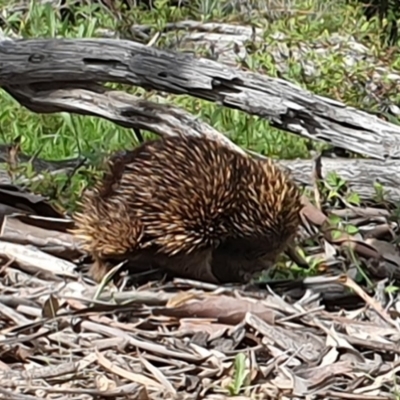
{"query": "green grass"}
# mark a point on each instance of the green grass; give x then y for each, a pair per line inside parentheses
(60, 136)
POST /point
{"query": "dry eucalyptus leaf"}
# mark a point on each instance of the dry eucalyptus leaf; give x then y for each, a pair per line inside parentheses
(50, 307)
(386, 250)
(224, 309)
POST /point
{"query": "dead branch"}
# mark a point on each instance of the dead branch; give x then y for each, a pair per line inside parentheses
(285, 105)
(164, 119)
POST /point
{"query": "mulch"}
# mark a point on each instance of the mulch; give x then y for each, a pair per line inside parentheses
(330, 334)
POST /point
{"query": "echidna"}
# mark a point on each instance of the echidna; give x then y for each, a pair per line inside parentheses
(191, 206)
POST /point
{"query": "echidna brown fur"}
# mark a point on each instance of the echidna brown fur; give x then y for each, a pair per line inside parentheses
(191, 206)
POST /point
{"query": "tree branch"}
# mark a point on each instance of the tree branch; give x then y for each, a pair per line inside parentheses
(286, 105)
(164, 119)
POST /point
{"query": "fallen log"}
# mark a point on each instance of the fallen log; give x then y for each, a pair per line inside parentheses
(360, 175)
(164, 119)
(80, 62)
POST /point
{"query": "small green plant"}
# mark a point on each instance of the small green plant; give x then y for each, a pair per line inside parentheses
(240, 375)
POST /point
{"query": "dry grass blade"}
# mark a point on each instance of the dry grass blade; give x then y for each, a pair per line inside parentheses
(137, 378)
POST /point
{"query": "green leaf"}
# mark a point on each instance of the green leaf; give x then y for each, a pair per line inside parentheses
(240, 374)
(354, 198)
(365, 26)
(351, 229)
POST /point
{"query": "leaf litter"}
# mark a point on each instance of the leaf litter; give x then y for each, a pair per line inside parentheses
(333, 334)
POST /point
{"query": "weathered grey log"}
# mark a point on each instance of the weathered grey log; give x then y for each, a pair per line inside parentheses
(360, 175)
(286, 105)
(164, 119)
(119, 107)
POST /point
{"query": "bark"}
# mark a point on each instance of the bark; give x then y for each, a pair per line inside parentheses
(78, 62)
(163, 119)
